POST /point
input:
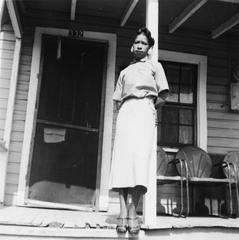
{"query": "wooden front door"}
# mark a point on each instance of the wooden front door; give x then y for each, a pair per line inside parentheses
(67, 143)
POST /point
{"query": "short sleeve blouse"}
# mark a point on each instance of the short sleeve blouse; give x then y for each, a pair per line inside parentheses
(140, 79)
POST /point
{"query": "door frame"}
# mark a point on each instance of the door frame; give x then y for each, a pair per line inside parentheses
(103, 173)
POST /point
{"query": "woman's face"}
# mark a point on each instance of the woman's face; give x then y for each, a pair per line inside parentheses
(140, 47)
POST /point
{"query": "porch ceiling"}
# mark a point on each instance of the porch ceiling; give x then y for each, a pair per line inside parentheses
(215, 17)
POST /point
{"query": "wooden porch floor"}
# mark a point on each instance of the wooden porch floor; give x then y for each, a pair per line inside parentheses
(68, 224)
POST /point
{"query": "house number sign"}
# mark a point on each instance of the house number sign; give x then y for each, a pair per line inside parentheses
(76, 33)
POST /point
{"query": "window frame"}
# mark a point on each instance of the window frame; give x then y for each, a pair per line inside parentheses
(201, 102)
(181, 106)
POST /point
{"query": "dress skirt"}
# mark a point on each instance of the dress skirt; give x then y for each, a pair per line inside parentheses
(134, 145)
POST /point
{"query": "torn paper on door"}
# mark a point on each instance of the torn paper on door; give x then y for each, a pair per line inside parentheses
(54, 135)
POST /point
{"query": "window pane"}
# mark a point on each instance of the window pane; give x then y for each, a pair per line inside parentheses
(159, 114)
(173, 73)
(170, 134)
(186, 116)
(185, 135)
(159, 133)
(170, 115)
(174, 93)
(186, 94)
(187, 75)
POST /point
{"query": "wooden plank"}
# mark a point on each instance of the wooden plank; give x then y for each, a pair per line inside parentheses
(12, 178)
(218, 80)
(25, 68)
(15, 146)
(220, 98)
(5, 73)
(14, 157)
(4, 93)
(21, 95)
(21, 105)
(196, 40)
(3, 114)
(6, 45)
(186, 14)
(3, 103)
(233, 21)
(8, 199)
(10, 188)
(2, 124)
(9, 36)
(216, 71)
(22, 86)
(21, 116)
(220, 89)
(223, 124)
(220, 150)
(224, 116)
(4, 83)
(13, 168)
(24, 77)
(227, 133)
(223, 142)
(7, 54)
(130, 8)
(217, 107)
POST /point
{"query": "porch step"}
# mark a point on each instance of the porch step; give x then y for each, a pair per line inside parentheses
(10, 232)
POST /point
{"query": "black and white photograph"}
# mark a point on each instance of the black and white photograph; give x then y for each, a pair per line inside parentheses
(119, 119)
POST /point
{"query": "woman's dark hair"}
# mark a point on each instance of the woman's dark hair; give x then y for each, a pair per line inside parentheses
(147, 33)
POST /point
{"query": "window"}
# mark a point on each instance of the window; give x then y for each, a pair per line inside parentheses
(177, 118)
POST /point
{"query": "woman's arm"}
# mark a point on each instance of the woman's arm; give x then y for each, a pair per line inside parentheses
(162, 96)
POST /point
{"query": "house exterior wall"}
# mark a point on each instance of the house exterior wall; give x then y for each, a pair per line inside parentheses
(221, 122)
(7, 41)
(7, 46)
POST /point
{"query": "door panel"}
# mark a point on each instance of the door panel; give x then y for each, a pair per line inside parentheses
(65, 152)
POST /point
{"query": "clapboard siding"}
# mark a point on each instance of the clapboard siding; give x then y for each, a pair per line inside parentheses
(7, 42)
(18, 121)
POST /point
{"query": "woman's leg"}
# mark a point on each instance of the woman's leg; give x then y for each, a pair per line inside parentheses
(136, 194)
(133, 222)
(123, 196)
(122, 220)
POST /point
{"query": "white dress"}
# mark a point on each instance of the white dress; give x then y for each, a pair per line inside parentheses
(135, 138)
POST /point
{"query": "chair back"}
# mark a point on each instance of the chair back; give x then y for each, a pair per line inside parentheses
(198, 161)
(162, 161)
(232, 158)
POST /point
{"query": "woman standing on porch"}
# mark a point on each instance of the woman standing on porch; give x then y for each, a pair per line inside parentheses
(141, 88)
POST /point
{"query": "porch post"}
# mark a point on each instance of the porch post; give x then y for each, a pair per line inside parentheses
(5, 143)
(150, 198)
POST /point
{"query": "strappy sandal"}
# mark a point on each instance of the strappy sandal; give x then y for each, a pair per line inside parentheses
(121, 227)
(133, 226)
